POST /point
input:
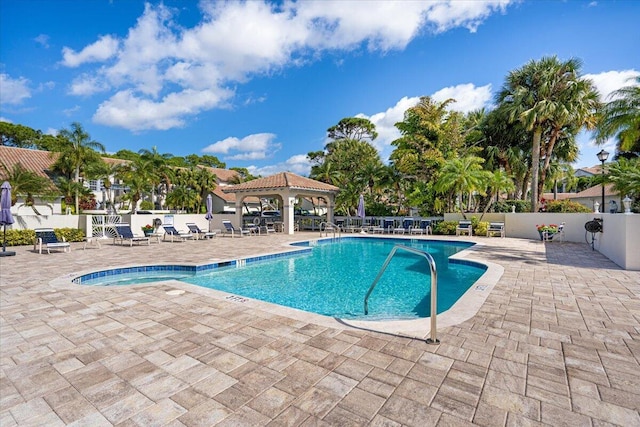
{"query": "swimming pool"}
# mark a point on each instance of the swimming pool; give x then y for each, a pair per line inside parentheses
(330, 277)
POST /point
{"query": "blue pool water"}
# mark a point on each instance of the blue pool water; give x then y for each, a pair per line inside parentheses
(329, 278)
(333, 279)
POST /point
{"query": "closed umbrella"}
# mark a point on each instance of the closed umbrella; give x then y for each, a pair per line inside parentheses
(5, 215)
(361, 212)
(209, 214)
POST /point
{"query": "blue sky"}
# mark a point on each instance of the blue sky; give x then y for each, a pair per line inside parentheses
(257, 84)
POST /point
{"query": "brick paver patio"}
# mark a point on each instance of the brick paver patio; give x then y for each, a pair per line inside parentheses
(557, 342)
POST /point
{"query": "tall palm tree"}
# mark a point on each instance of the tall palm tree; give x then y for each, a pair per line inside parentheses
(547, 94)
(77, 149)
(621, 116)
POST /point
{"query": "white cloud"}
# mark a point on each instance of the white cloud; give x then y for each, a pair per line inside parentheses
(253, 147)
(101, 50)
(446, 15)
(468, 97)
(42, 40)
(610, 81)
(298, 164)
(14, 91)
(85, 85)
(51, 131)
(4, 119)
(127, 110)
(70, 111)
(159, 59)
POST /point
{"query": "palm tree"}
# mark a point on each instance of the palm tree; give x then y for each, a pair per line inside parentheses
(205, 183)
(625, 175)
(463, 175)
(499, 182)
(105, 172)
(181, 197)
(135, 176)
(621, 116)
(162, 173)
(77, 150)
(26, 183)
(547, 94)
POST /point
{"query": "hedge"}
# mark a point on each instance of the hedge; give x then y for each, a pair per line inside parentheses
(26, 237)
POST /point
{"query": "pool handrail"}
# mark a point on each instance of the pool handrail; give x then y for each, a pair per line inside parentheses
(434, 287)
(329, 226)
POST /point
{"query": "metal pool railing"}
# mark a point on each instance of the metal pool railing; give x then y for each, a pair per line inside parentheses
(433, 339)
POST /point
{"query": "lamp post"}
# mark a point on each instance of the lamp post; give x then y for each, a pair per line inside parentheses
(603, 156)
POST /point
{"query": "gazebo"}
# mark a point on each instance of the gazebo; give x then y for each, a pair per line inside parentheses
(288, 187)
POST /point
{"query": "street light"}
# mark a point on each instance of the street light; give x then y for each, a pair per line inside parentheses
(603, 156)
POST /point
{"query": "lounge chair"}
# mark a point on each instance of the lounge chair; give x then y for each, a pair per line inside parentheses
(124, 233)
(407, 224)
(200, 234)
(230, 229)
(48, 238)
(464, 226)
(423, 227)
(496, 228)
(267, 228)
(170, 230)
(388, 225)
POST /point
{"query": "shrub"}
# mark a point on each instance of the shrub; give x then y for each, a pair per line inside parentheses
(26, 237)
(69, 234)
(446, 227)
(504, 206)
(480, 229)
(566, 206)
(146, 205)
(20, 237)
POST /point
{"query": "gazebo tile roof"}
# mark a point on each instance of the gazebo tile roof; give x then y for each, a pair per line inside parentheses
(282, 180)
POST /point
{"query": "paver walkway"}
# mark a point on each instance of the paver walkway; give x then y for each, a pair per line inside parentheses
(557, 342)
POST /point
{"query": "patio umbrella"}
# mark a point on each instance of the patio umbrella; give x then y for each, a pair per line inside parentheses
(5, 215)
(209, 215)
(360, 211)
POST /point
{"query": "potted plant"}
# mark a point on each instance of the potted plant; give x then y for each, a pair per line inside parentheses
(549, 230)
(147, 229)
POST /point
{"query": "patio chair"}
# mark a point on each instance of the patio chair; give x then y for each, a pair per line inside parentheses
(170, 230)
(267, 228)
(557, 236)
(230, 229)
(464, 226)
(424, 226)
(496, 227)
(389, 224)
(124, 233)
(407, 224)
(48, 238)
(198, 233)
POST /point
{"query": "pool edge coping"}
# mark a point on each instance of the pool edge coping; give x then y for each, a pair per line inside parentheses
(464, 308)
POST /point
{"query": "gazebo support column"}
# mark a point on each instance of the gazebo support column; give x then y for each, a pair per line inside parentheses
(239, 200)
(288, 213)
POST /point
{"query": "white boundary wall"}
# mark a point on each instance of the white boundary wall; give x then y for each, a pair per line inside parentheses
(619, 241)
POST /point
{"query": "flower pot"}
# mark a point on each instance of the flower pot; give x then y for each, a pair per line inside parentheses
(147, 233)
